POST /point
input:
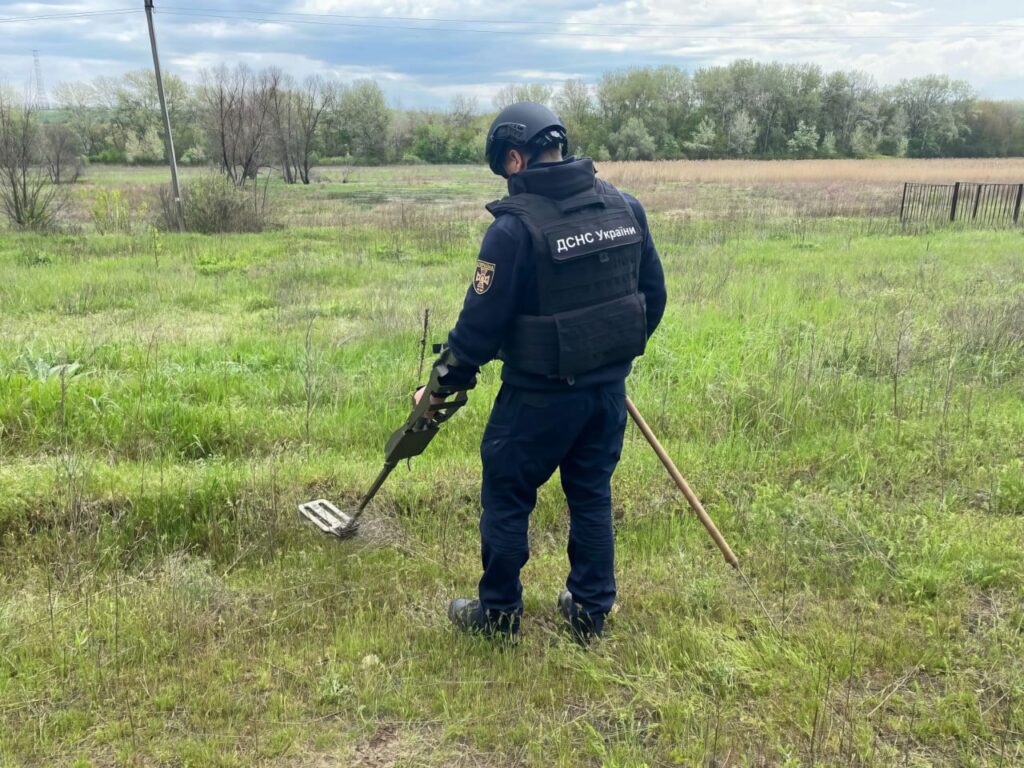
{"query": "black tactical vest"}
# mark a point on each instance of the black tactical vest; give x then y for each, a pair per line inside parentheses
(586, 250)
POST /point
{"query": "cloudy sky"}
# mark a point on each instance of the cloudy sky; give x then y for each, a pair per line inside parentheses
(423, 53)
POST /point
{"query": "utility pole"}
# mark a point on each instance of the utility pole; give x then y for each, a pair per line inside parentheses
(167, 119)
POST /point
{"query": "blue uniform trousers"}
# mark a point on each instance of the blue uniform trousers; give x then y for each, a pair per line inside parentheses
(529, 434)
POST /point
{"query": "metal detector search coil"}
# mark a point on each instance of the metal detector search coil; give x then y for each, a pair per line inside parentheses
(328, 518)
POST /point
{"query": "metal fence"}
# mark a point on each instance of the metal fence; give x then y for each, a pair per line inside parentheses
(986, 204)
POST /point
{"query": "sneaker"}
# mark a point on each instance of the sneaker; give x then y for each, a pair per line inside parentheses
(469, 616)
(580, 624)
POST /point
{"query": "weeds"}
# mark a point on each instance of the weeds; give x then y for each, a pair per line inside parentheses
(844, 396)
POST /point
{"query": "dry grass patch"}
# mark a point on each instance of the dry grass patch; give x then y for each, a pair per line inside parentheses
(642, 175)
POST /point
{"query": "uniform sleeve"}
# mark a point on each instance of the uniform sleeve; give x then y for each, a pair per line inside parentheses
(652, 276)
(490, 304)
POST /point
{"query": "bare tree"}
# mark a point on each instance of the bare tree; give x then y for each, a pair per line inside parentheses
(313, 102)
(237, 107)
(27, 196)
(86, 113)
(283, 113)
(510, 94)
(60, 151)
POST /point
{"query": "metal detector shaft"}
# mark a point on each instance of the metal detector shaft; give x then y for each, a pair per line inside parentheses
(680, 481)
(368, 496)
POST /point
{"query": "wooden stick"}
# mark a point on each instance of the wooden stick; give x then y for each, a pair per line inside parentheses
(730, 558)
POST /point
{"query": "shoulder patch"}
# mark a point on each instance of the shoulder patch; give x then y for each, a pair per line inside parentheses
(484, 277)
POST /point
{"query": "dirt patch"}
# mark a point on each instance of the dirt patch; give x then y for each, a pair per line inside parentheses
(382, 750)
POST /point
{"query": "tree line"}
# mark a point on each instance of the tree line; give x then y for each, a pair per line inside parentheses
(243, 120)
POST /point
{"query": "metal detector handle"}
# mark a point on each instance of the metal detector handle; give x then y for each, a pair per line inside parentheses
(444, 411)
(413, 437)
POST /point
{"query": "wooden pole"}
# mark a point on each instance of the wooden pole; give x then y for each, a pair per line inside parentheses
(167, 120)
(730, 558)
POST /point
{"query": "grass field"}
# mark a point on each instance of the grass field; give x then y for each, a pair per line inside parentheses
(844, 396)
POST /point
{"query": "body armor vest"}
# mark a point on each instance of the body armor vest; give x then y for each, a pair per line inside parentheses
(586, 250)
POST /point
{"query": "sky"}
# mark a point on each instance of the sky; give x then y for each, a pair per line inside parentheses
(423, 53)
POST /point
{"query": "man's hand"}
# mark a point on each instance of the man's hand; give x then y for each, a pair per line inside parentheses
(434, 400)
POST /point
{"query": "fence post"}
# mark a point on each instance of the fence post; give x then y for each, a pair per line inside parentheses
(956, 195)
(977, 200)
(1016, 207)
(903, 202)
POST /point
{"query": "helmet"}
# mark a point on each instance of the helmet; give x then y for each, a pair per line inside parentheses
(527, 125)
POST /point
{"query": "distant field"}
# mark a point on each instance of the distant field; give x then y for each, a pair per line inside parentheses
(784, 171)
(844, 395)
(748, 192)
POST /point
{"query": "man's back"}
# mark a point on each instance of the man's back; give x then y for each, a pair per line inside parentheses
(509, 262)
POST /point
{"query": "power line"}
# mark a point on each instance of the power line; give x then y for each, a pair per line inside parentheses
(536, 33)
(80, 14)
(707, 25)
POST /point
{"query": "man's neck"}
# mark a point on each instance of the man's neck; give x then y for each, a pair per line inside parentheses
(550, 157)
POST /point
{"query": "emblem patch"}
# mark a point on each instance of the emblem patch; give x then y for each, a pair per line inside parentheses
(484, 277)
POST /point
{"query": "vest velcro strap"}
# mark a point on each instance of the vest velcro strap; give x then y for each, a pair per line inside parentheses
(581, 201)
(532, 345)
(600, 335)
(566, 344)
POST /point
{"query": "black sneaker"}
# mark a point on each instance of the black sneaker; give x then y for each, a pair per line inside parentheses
(580, 624)
(469, 616)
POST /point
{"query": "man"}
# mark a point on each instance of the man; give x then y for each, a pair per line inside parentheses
(567, 290)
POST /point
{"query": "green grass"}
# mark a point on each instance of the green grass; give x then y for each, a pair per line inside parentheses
(845, 399)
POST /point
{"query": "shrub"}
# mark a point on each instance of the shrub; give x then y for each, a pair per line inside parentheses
(214, 205)
(27, 196)
(112, 156)
(146, 149)
(111, 212)
(194, 156)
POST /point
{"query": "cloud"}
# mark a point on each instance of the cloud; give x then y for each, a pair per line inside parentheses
(296, 65)
(482, 92)
(430, 9)
(535, 75)
(221, 29)
(425, 51)
(979, 60)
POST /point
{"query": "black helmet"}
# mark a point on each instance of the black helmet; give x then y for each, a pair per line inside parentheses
(527, 125)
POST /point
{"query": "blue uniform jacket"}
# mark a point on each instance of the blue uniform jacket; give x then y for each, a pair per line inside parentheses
(510, 290)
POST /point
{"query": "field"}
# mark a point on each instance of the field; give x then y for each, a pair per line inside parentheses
(843, 394)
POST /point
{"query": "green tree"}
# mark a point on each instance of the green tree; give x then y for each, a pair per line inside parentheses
(804, 141)
(576, 107)
(146, 149)
(937, 110)
(848, 99)
(362, 121)
(702, 143)
(864, 141)
(659, 97)
(828, 144)
(996, 129)
(135, 108)
(633, 141)
(741, 134)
